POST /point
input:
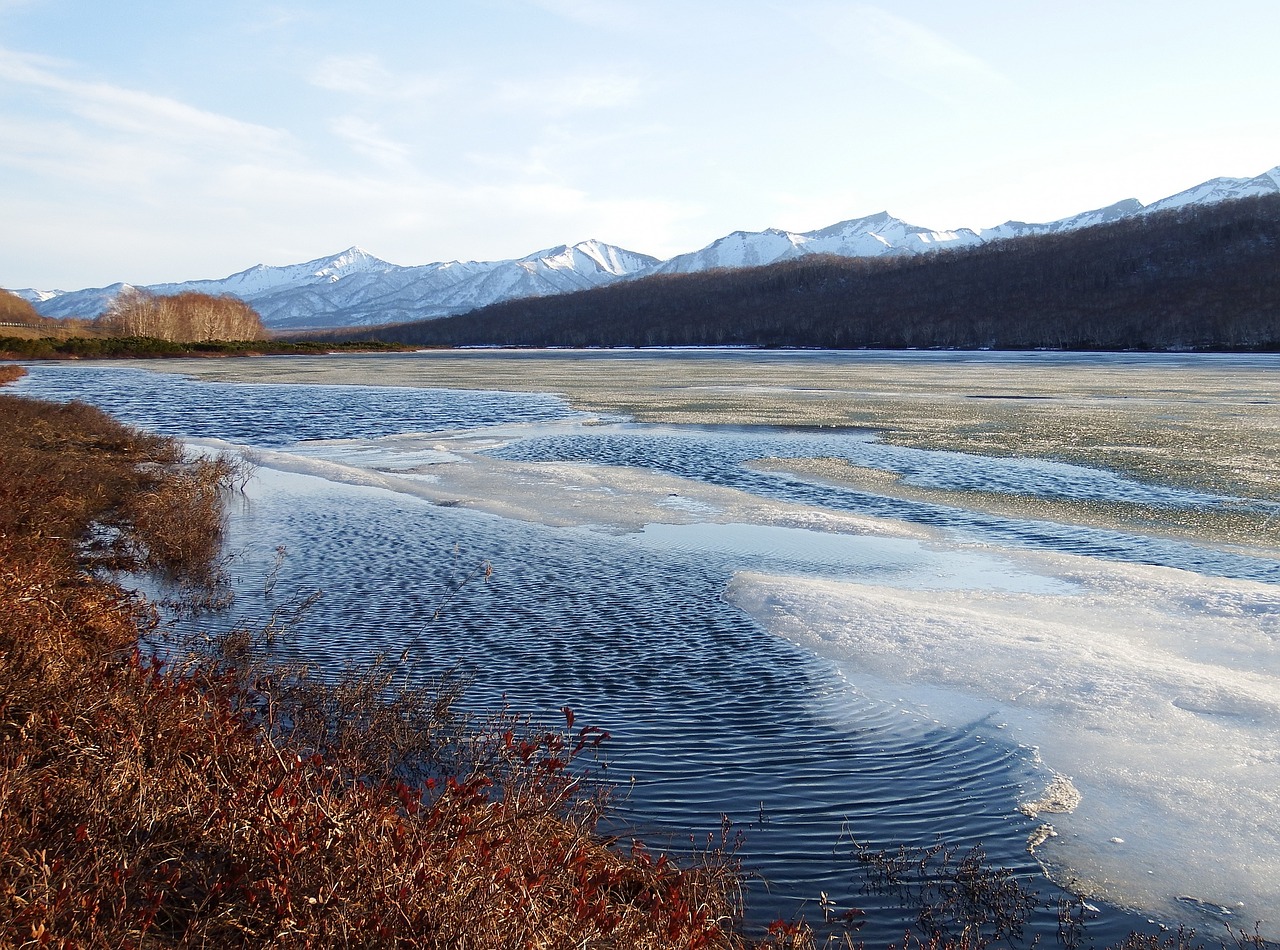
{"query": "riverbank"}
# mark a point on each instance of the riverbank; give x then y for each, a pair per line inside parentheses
(218, 801)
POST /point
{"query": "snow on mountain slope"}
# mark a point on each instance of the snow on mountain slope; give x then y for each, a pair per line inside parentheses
(882, 234)
(1220, 189)
(371, 294)
(872, 236)
(354, 288)
(1086, 219)
(261, 279)
(76, 303)
(739, 249)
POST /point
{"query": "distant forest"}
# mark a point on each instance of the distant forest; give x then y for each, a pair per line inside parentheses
(1203, 277)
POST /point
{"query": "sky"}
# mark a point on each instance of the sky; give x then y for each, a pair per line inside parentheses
(152, 140)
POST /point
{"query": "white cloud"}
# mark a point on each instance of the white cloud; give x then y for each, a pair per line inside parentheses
(130, 111)
(366, 75)
(368, 139)
(270, 19)
(609, 14)
(911, 53)
(363, 74)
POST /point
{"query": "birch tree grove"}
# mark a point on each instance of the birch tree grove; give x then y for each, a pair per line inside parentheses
(183, 318)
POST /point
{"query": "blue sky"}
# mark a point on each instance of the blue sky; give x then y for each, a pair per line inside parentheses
(152, 141)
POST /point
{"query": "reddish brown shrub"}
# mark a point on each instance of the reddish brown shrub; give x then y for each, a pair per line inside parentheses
(221, 802)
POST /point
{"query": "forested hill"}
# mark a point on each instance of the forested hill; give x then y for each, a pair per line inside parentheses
(1204, 277)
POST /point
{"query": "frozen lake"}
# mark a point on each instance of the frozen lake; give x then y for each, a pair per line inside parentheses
(813, 630)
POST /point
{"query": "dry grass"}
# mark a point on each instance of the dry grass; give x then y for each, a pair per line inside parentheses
(219, 802)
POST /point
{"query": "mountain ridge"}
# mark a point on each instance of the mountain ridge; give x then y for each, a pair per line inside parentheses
(1197, 277)
(355, 288)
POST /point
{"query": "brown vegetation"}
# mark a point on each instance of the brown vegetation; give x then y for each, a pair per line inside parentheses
(13, 309)
(216, 801)
(185, 317)
(19, 314)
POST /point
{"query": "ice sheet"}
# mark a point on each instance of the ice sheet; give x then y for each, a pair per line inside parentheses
(454, 472)
(1156, 691)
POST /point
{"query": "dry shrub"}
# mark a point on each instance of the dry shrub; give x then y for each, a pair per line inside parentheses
(220, 801)
(10, 372)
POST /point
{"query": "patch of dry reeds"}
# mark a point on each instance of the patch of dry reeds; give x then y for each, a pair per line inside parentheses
(217, 801)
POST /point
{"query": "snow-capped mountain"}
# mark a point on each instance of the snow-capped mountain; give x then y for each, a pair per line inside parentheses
(871, 236)
(354, 288)
(1086, 219)
(1220, 189)
(341, 294)
(882, 234)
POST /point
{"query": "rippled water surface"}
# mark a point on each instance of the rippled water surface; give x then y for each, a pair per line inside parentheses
(271, 415)
(710, 714)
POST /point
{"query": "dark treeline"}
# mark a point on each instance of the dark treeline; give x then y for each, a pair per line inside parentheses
(1205, 277)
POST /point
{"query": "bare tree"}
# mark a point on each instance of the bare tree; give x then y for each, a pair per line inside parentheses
(184, 318)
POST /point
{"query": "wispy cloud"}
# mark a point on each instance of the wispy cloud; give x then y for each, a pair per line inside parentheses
(368, 139)
(364, 74)
(567, 94)
(352, 73)
(132, 111)
(908, 51)
(276, 17)
(607, 14)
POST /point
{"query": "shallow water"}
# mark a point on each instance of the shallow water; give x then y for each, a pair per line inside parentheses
(710, 713)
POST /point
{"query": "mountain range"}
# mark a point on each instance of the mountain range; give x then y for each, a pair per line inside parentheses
(354, 288)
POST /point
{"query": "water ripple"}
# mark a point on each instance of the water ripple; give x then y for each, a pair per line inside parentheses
(710, 716)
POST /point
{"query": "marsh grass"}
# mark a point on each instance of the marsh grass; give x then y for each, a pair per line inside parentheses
(960, 900)
(211, 798)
